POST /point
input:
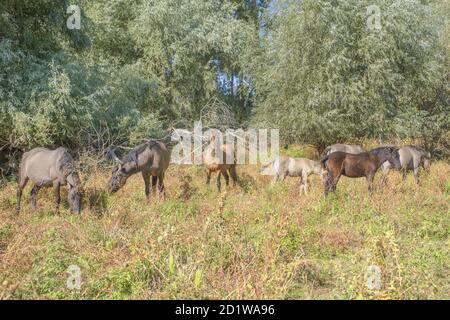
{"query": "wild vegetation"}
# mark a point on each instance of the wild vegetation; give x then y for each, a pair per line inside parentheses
(254, 241)
(314, 69)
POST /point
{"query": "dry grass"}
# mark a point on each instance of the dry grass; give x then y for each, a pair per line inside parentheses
(252, 242)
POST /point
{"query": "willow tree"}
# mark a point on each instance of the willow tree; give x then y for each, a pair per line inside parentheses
(132, 69)
(330, 72)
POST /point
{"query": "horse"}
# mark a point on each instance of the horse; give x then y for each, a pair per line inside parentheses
(363, 164)
(46, 168)
(347, 148)
(411, 158)
(220, 158)
(150, 158)
(283, 166)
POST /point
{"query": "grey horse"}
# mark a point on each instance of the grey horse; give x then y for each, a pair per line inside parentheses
(46, 168)
(411, 159)
(293, 167)
(151, 159)
(339, 147)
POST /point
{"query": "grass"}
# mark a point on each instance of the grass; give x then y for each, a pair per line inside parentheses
(255, 241)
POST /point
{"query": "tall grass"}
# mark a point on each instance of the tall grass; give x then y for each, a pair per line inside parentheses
(255, 241)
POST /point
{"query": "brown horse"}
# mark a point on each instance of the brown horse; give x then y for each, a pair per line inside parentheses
(151, 159)
(220, 158)
(364, 164)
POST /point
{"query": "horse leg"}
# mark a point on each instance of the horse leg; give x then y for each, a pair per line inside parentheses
(218, 181)
(275, 179)
(146, 177)
(301, 185)
(333, 180)
(369, 179)
(329, 182)
(233, 174)
(227, 177)
(57, 195)
(161, 188)
(416, 175)
(208, 177)
(305, 182)
(326, 183)
(404, 174)
(384, 176)
(22, 183)
(154, 182)
(33, 194)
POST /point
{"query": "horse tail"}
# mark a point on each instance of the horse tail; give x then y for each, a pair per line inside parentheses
(267, 165)
(276, 166)
(326, 152)
(324, 159)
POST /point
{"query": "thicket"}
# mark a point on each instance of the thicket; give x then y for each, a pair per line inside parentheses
(311, 68)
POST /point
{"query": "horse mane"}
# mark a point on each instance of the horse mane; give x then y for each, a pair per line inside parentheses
(378, 149)
(66, 164)
(325, 151)
(136, 151)
(323, 159)
(418, 148)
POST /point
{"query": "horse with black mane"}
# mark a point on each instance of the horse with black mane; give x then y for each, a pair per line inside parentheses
(150, 158)
(411, 159)
(364, 164)
(348, 148)
(44, 168)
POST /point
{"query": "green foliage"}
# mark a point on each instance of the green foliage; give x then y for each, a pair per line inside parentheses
(132, 69)
(264, 243)
(326, 77)
(312, 68)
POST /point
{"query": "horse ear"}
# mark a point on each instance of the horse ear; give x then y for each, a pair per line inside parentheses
(71, 181)
(113, 155)
(134, 157)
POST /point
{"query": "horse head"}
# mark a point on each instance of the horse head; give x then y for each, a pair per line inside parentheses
(75, 194)
(426, 159)
(119, 174)
(389, 154)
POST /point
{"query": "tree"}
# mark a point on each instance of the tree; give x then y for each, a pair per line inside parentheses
(326, 77)
(134, 68)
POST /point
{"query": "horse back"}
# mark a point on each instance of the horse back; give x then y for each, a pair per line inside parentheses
(42, 165)
(214, 162)
(162, 155)
(350, 165)
(156, 158)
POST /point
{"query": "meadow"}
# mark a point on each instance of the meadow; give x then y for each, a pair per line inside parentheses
(255, 241)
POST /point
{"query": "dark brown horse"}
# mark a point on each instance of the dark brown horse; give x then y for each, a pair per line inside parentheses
(364, 164)
(151, 159)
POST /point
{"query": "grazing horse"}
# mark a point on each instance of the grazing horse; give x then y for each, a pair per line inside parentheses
(46, 168)
(364, 164)
(293, 167)
(151, 159)
(220, 158)
(411, 158)
(339, 147)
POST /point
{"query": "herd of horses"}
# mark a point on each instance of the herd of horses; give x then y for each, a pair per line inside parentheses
(46, 168)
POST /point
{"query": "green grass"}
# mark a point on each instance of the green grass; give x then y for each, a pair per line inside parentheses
(254, 241)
